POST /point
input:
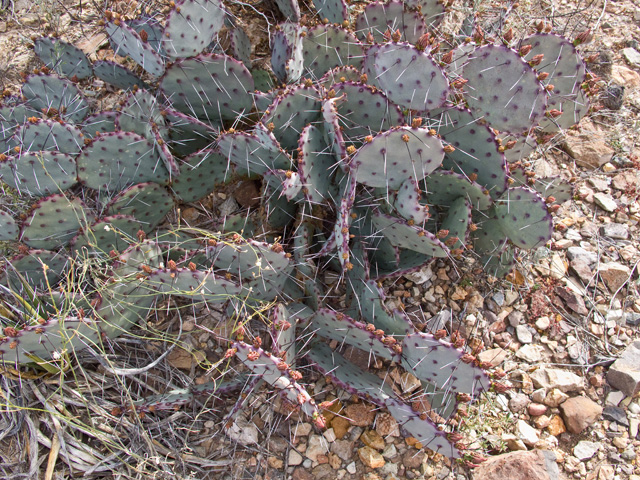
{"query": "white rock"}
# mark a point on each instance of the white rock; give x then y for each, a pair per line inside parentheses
(421, 276)
(556, 378)
(530, 353)
(605, 201)
(317, 445)
(527, 433)
(295, 458)
(330, 435)
(243, 432)
(524, 334)
(584, 450)
(351, 468)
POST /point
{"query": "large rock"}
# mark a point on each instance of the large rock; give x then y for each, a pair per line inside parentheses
(624, 374)
(588, 148)
(556, 378)
(521, 465)
(579, 413)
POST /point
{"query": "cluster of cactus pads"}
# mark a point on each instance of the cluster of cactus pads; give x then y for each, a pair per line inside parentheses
(378, 145)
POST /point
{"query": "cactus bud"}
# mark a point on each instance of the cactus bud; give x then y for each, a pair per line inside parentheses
(554, 113)
(416, 122)
(442, 233)
(583, 37)
(543, 76)
(396, 36)
(423, 42)
(508, 36)
(540, 26)
(449, 148)
(524, 50)
(536, 60)
(447, 57)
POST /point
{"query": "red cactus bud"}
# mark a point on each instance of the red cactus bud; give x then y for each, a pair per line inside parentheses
(442, 233)
(396, 36)
(416, 122)
(500, 387)
(230, 353)
(583, 37)
(508, 36)
(447, 57)
(253, 356)
(554, 113)
(524, 50)
(423, 42)
(536, 60)
(440, 334)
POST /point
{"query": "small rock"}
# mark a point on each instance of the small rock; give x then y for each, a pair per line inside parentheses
(574, 301)
(584, 450)
(615, 231)
(579, 413)
(372, 439)
(625, 181)
(370, 457)
(413, 458)
(605, 201)
(360, 414)
(409, 382)
(615, 414)
(247, 194)
(582, 269)
(294, 458)
(524, 334)
(493, 356)
(533, 465)
(612, 98)
(557, 378)
(243, 432)
(587, 148)
(543, 421)
(386, 425)
(513, 443)
(343, 449)
(632, 56)
(330, 435)
(624, 373)
(579, 253)
(340, 426)
(536, 409)
(606, 472)
(543, 323)
(614, 275)
(527, 433)
(302, 429)
(556, 426)
(625, 76)
(531, 353)
(555, 397)
(351, 468)
(519, 402)
(300, 473)
(421, 276)
(390, 451)
(317, 445)
(614, 398)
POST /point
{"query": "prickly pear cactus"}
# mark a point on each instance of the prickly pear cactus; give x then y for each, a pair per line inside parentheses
(382, 148)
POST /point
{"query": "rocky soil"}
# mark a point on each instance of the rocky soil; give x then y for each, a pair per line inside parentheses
(564, 326)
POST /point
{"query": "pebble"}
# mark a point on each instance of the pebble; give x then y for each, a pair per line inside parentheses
(531, 353)
(624, 373)
(632, 56)
(317, 446)
(370, 457)
(584, 450)
(543, 323)
(294, 458)
(536, 409)
(615, 414)
(527, 433)
(605, 201)
(579, 253)
(615, 231)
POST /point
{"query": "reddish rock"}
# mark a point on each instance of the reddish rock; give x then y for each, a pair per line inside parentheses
(536, 409)
(579, 413)
(360, 414)
(247, 194)
(521, 465)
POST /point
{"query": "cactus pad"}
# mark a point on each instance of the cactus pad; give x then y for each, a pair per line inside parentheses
(199, 173)
(509, 96)
(327, 46)
(444, 187)
(36, 174)
(191, 26)
(66, 59)
(378, 17)
(114, 161)
(147, 202)
(409, 77)
(408, 236)
(396, 154)
(117, 75)
(54, 221)
(211, 87)
(127, 42)
(31, 266)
